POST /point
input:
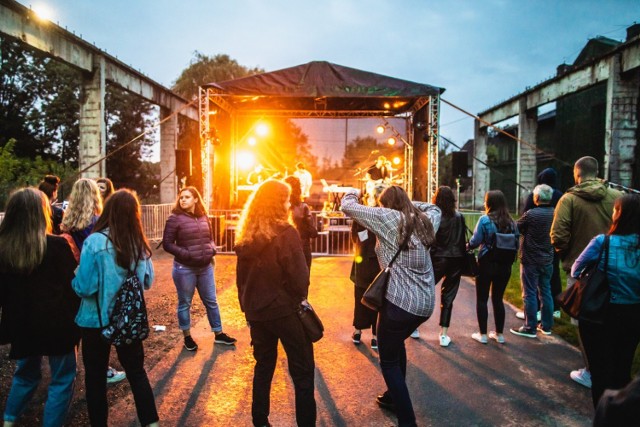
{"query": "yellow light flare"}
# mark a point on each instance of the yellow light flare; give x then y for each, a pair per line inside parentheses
(245, 160)
(358, 259)
(262, 129)
(380, 129)
(252, 141)
(391, 141)
(43, 11)
(396, 160)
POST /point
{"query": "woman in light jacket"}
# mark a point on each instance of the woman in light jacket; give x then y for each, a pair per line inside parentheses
(37, 305)
(610, 347)
(117, 245)
(188, 237)
(410, 299)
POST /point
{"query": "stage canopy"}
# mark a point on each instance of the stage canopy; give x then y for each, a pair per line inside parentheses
(320, 88)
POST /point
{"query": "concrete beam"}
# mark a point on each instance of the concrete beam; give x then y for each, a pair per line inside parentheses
(92, 147)
(481, 173)
(526, 157)
(168, 145)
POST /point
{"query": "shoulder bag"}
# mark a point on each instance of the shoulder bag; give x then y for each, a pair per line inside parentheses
(587, 300)
(469, 262)
(311, 323)
(374, 296)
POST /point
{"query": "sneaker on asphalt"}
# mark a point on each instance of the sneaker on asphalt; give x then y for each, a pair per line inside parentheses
(225, 339)
(482, 339)
(582, 377)
(556, 314)
(190, 344)
(114, 376)
(445, 341)
(495, 336)
(355, 337)
(544, 331)
(523, 331)
(374, 344)
(415, 334)
(520, 315)
(384, 401)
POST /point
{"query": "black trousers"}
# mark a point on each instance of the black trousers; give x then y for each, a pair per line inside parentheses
(299, 349)
(363, 316)
(95, 355)
(610, 348)
(451, 270)
(493, 276)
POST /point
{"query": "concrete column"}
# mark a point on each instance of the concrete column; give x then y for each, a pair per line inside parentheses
(93, 137)
(168, 146)
(621, 125)
(481, 174)
(526, 156)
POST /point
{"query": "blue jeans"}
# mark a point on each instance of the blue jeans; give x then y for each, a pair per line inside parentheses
(394, 327)
(536, 280)
(187, 279)
(59, 394)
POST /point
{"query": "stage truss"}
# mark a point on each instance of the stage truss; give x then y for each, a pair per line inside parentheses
(212, 99)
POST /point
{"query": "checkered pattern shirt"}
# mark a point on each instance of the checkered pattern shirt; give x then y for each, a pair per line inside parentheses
(411, 284)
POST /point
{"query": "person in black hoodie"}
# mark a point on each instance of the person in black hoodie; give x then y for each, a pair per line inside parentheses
(273, 280)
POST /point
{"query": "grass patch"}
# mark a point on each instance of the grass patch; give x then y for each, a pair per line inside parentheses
(561, 327)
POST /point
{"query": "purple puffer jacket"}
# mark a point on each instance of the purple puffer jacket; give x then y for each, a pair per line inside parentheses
(189, 239)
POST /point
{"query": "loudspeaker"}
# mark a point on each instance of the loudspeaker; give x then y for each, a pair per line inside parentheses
(183, 163)
(459, 164)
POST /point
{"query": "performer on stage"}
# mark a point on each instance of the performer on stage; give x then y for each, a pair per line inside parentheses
(379, 171)
(305, 179)
(257, 175)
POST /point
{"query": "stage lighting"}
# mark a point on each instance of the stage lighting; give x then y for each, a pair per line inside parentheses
(262, 129)
(396, 160)
(391, 141)
(252, 141)
(246, 160)
(380, 129)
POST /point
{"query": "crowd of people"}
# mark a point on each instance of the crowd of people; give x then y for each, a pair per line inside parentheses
(61, 272)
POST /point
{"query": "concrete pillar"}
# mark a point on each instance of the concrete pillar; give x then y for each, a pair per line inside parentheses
(481, 174)
(168, 146)
(526, 156)
(93, 137)
(621, 124)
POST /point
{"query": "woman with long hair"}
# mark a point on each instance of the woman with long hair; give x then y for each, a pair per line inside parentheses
(85, 206)
(273, 280)
(301, 216)
(189, 238)
(493, 274)
(408, 228)
(610, 347)
(49, 186)
(447, 256)
(106, 187)
(116, 247)
(38, 306)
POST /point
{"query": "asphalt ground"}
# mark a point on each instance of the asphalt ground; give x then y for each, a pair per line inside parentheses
(524, 382)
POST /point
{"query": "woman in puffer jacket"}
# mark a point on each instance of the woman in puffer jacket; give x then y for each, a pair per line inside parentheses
(188, 237)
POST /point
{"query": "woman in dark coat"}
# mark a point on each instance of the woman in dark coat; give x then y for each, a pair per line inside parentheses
(273, 280)
(187, 235)
(38, 306)
(301, 216)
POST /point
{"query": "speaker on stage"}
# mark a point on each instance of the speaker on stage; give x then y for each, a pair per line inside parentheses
(183, 163)
(459, 164)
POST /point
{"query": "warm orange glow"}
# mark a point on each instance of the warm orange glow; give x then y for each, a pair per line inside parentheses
(380, 129)
(391, 141)
(387, 105)
(396, 160)
(262, 129)
(43, 11)
(245, 160)
(252, 141)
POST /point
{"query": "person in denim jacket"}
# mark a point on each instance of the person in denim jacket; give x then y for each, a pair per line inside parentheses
(102, 270)
(493, 275)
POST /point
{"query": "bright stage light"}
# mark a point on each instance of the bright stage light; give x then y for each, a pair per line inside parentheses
(246, 160)
(391, 141)
(43, 12)
(252, 141)
(396, 160)
(380, 129)
(262, 129)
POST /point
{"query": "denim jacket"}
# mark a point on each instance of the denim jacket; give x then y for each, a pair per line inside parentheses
(99, 274)
(484, 235)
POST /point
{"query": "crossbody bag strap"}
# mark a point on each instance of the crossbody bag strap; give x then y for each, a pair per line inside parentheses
(605, 249)
(402, 246)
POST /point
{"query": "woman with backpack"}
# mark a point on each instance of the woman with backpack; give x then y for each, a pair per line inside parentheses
(116, 247)
(189, 238)
(494, 263)
(37, 306)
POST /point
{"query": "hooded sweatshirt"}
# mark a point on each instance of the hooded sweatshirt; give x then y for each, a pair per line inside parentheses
(548, 176)
(272, 276)
(583, 212)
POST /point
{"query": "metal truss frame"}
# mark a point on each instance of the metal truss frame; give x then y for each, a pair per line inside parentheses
(433, 133)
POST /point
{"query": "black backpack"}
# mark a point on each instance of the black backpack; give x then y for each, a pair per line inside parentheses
(504, 247)
(128, 321)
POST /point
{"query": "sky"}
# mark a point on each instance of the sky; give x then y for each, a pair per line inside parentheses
(481, 51)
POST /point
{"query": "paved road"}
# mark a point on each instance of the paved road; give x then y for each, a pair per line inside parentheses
(522, 383)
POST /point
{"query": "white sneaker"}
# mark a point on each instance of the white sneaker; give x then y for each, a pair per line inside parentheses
(481, 338)
(495, 336)
(114, 376)
(582, 377)
(444, 340)
(520, 315)
(415, 334)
